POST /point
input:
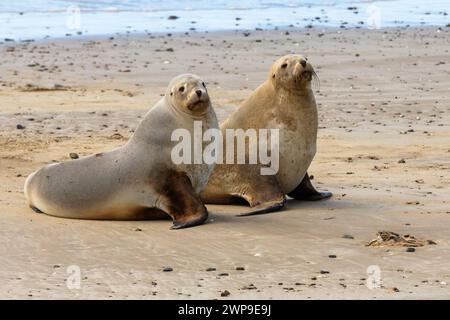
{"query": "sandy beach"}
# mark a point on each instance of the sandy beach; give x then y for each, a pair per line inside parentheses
(383, 150)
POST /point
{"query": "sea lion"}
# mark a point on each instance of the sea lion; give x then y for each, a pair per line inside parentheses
(285, 101)
(138, 180)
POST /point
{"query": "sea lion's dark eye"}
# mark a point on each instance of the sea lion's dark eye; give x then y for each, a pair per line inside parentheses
(181, 89)
(203, 84)
(284, 65)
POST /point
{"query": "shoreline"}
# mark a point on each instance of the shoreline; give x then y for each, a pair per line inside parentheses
(180, 34)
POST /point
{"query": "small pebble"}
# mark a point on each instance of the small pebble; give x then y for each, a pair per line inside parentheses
(73, 155)
(167, 269)
(225, 293)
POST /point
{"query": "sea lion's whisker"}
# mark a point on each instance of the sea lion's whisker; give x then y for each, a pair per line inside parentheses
(316, 80)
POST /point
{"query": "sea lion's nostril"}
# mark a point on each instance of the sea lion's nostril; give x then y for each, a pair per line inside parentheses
(303, 63)
(199, 93)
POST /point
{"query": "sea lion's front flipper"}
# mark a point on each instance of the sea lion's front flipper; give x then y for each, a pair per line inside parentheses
(180, 201)
(263, 195)
(306, 191)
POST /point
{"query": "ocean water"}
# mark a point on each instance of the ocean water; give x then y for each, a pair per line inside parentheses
(37, 19)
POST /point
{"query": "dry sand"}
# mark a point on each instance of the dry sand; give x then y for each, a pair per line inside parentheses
(384, 97)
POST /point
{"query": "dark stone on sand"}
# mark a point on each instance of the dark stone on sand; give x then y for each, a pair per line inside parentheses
(210, 269)
(332, 256)
(20, 127)
(240, 268)
(223, 274)
(167, 269)
(173, 17)
(410, 249)
(73, 155)
(347, 236)
(324, 272)
(225, 293)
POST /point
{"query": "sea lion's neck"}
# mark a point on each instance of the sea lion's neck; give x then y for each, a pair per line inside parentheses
(279, 90)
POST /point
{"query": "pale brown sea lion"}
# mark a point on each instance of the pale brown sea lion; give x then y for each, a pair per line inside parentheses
(285, 101)
(138, 180)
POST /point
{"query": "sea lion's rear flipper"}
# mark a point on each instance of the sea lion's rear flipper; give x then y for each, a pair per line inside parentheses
(266, 207)
(180, 201)
(306, 191)
(37, 210)
(264, 195)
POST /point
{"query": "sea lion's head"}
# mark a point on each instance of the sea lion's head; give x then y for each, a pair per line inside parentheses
(293, 72)
(187, 93)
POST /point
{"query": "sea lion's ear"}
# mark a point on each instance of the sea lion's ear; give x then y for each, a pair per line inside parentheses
(171, 93)
(273, 76)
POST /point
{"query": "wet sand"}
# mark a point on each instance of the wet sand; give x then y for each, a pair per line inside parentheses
(383, 150)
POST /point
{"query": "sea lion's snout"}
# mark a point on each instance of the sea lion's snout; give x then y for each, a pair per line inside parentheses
(199, 94)
(198, 99)
(302, 66)
(303, 70)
